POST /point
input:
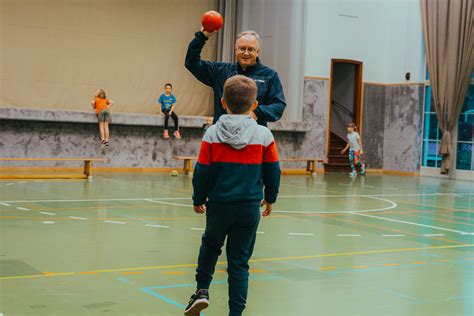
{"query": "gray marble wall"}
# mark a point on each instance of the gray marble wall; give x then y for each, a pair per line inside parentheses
(392, 126)
(391, 133)
(131, 146)
(373, 128)
(315, 113)
(403, 128)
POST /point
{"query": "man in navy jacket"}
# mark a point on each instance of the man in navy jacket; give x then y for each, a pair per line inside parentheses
(271, 99)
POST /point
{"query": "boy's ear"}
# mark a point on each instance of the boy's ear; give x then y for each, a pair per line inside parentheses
(224, 104)
(254, 105)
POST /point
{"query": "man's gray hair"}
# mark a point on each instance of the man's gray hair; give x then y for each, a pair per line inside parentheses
(251, 33)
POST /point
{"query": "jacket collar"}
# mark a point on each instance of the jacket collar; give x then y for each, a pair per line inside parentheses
(249, 69)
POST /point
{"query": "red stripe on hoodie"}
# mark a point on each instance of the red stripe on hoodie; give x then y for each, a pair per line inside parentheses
(251, 154)
(270, 153)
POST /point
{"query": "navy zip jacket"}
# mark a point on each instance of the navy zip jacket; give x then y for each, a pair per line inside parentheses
(270, 97)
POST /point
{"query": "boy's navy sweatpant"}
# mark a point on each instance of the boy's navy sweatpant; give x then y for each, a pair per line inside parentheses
(239, 224)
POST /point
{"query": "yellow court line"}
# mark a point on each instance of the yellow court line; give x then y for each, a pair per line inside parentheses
(192, 265)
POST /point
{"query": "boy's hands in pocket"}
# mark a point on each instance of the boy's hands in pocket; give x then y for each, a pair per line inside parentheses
(200, 209)
(268, 208)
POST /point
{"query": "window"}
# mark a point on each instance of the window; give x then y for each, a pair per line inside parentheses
(431, 133)
(465, 131)
(465, 143)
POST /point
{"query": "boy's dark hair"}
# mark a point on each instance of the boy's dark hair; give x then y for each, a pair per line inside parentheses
(168, 85)
(240, 93)
(352, 125)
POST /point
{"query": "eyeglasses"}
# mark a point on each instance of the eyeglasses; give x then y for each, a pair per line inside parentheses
(250, 50)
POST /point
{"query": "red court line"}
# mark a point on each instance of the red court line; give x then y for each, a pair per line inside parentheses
(433, 218)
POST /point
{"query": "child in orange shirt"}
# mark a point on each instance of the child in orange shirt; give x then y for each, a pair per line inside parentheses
(102, 105)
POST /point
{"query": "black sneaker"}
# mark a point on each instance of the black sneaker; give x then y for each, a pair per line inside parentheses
(198, 302)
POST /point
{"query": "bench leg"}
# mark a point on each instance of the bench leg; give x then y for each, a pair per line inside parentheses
(187, 166)
(311, 167)
(87, 168)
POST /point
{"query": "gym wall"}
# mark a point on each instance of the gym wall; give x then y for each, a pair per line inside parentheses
(56, 53)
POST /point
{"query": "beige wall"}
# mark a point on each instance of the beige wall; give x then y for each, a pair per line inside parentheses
(56, 53)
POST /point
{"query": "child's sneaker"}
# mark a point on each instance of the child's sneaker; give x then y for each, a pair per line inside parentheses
(353, 174)
(102, 144)
(198, 302)
(177, 135)
(166, 135)
(362, 170)
(106, 143)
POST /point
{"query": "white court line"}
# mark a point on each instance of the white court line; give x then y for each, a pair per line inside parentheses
(393, 235)
(97, 200)
(75, 217)
(168, 203)
(23, 182)
(411, 223)
(23, 208)
(9, 183)
(348, 235)
(301, 234)
(195, 228)
(114, 222)
(159, 226)
(433, 235)
(48, 222)
(280, 196)
(260, 232)
(5, 204)
(392, 205)
(46, 213)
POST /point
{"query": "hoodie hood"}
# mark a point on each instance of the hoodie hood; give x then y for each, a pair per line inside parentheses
(236, 130)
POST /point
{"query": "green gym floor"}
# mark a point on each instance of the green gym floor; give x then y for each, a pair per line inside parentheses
(126, 244)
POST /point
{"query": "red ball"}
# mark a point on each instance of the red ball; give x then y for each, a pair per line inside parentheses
(212, 21)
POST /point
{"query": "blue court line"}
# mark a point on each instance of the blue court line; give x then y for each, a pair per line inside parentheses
(402, 295)
(151, 289)
(124, 280)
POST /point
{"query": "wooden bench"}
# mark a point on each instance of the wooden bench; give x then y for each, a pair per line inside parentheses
(187, 163)
(310, 163)
(87, 171)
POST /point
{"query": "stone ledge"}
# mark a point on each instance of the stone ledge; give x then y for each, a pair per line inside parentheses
(72, 116)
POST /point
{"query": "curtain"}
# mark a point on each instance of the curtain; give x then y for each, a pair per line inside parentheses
(448, 27)
(226, 37)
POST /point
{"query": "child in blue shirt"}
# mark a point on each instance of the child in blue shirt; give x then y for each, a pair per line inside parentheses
(168, 101)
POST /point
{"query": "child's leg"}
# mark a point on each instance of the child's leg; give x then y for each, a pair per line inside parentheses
(167, 118)
(240, 243)
(106, 131)
(102, 130)
(351, 160)
(175, 119)
(212, 242)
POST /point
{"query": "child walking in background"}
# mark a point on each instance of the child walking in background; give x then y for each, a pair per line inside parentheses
(102, 109)
(355, 145)
(236, 173)
(168, 101)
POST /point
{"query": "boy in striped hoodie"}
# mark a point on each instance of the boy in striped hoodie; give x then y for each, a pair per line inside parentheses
(236, 173)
